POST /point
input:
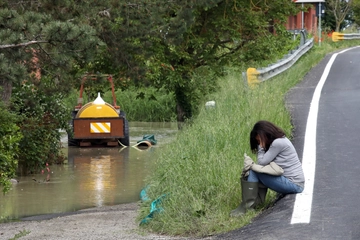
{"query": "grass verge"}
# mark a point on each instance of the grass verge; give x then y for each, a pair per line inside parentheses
(200, 170)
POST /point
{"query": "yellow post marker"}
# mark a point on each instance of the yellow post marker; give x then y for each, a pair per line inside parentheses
(252, 77)
(336, 36)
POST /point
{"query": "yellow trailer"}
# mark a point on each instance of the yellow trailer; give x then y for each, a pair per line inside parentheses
(98, 123)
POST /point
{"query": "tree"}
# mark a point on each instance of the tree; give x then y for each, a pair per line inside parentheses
(356, 11)
(33, 43)
(340, 9)
(180, 45)
(38, 58)
(184, 39)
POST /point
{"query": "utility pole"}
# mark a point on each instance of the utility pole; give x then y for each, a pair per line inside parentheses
(319, 14)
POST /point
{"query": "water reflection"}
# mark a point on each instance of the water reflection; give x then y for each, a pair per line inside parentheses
(100, 175)
(93, 177)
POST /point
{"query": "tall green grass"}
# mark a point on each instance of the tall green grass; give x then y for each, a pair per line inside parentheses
(140, 104)
(200, 170)
(145, 104)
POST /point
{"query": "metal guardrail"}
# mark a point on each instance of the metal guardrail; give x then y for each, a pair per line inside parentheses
(336, 36)
(254, 76)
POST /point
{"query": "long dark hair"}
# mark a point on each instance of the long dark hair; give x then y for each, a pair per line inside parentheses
(267, 132)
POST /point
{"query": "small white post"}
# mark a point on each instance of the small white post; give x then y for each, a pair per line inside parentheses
(302, 15)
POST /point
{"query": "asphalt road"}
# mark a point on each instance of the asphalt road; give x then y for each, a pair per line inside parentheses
(333, 212)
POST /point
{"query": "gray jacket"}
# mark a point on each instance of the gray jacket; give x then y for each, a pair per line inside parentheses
(283, 153)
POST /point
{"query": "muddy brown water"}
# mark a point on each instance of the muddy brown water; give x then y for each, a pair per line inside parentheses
(92, 177)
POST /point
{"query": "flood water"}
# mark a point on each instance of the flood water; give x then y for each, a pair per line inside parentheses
(92, 177)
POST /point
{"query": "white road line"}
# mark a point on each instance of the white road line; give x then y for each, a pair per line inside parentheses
(303, 201)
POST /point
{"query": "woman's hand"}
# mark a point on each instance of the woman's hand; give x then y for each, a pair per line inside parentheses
(262, 144)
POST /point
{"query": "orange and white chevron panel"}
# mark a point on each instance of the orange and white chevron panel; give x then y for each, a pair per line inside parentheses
(100, 127)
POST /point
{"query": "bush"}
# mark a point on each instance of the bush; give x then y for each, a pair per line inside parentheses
(40, 116)
(10, 137)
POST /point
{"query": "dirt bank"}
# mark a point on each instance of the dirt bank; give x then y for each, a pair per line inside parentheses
(113, 222)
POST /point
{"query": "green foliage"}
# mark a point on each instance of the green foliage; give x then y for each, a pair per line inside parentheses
(165, 45)
(40, 57)
(34, 43)
(328, 22)
(40, 116)
(338, 14)
(184, 36)
(356, 11)
(9, 150)
(121, 53)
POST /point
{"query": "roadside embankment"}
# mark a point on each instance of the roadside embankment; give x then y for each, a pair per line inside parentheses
(113, 222)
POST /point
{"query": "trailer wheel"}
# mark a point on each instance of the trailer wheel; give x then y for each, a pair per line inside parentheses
(126, 139)
(72, 142)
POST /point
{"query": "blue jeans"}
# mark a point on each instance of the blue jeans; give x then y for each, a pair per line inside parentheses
(279, 184)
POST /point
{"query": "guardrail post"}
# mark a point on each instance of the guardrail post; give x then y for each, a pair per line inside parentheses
(302, 37)
(252, 77)
(337, 36)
